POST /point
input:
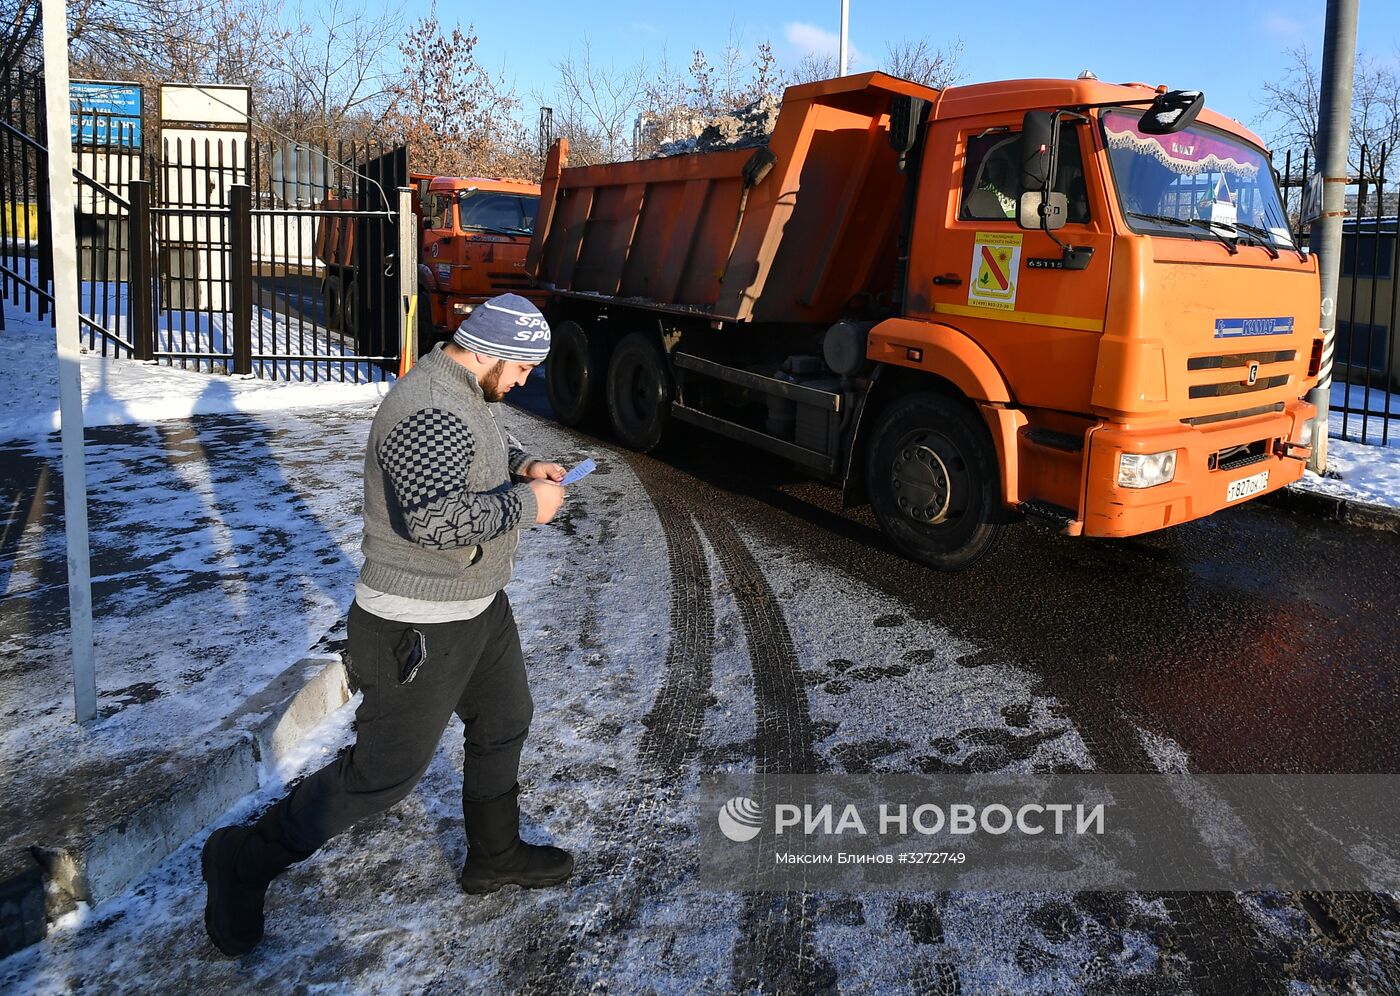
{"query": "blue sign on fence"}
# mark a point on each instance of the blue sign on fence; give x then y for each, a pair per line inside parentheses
(105, 113)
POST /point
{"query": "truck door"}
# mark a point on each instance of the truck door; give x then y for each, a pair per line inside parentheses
(972, 266)
(436, 249)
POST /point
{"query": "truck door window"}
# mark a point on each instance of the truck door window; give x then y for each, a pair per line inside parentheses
(435, 211)
(992, 177)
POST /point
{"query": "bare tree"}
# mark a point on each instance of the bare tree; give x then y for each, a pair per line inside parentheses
(1291, 105)
(812, 67)
(596, 106)
(920, 61)
(331, 70)
(19, 32)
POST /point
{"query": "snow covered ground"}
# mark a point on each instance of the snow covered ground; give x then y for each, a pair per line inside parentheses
(1367, 472)
(662, 642)
(124, 392)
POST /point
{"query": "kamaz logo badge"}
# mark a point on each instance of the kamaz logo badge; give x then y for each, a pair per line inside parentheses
(1253, 376)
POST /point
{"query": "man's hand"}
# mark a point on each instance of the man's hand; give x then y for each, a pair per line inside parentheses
(548, 497)
(538, 470)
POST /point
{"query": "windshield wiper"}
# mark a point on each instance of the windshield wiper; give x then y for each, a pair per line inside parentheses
(1161, 217)
(495, 230)
(1196, 223)
(1270, 238)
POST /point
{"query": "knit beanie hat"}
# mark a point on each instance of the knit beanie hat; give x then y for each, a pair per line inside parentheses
(506, 327)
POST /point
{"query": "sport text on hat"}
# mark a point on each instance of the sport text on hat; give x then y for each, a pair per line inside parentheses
(506, 327)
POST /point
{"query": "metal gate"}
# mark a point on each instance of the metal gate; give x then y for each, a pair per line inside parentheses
(275, 277)
(204, 255)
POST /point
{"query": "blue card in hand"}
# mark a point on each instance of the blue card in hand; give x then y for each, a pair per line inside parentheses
(581, 471)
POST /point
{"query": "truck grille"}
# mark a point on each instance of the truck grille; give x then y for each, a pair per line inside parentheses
(1238, 387)
(1240, 359)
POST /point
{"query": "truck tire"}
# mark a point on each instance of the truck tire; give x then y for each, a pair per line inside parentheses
(330, 297)
(350, 311)
(576, 374)
(933, 481)
(428, 336)
(639, 392)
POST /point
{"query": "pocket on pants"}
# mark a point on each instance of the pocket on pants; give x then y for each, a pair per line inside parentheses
(407, 649)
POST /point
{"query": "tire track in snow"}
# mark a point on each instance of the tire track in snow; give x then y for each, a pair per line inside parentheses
(774, 952)
(635, 842)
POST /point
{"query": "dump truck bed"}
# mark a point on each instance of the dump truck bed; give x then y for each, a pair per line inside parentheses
(812, 237)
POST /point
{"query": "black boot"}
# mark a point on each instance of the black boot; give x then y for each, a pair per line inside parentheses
(496, 856)
(238, 864)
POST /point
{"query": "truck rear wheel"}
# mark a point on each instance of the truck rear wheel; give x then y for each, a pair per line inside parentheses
(330, 296)
(933, 481)
(350, 311)
(576, 374)
(639, 392)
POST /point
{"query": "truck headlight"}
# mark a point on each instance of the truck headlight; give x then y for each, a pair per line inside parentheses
(1146, 470)
(458, 308)
(1305, 432)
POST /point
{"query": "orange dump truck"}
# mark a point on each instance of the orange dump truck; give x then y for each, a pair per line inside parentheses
(1058, 299)
(475, 233)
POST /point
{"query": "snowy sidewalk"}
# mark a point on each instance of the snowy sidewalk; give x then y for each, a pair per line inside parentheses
(224, 551)
(124, 392)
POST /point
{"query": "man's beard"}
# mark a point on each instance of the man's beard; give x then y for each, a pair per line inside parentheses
(491, 382)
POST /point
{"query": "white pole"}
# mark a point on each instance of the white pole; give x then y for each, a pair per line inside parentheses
(70, 394)
(845, 29)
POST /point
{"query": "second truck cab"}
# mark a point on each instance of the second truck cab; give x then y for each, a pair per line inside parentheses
(475, 234)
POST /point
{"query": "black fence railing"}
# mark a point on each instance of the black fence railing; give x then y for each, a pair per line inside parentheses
(213, 252)
(1365, 396)
(26, 252)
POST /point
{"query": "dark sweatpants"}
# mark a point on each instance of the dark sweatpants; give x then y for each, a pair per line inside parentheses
(474, 668)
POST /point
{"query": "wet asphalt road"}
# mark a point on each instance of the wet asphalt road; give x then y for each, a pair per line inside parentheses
(1259, 640)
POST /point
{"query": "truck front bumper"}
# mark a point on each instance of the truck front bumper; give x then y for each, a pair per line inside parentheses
(1206, 468)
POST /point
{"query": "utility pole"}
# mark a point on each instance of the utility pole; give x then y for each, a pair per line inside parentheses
(1325, 239)
(70, 388)
(845, 30)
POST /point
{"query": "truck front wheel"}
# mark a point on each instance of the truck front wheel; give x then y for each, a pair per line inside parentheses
(933, 482)
(576, 374)
(639, 392)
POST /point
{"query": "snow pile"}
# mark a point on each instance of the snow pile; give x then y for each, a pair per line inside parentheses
(1358, 472)
(742, 128)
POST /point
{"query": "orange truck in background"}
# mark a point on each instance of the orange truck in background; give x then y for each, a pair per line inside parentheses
(475, 233)
(1063, 300)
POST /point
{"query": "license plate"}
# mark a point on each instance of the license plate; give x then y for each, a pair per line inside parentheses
(1247, 486)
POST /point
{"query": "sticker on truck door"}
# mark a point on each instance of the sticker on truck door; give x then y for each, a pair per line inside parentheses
(996, 261)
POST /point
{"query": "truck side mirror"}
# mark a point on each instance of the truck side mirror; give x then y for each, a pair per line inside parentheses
(1171, 112)
(1040, 212)
(1037, 150)
(906, 116)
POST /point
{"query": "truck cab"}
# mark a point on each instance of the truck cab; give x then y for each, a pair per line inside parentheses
(475, 235)
(1154, 342)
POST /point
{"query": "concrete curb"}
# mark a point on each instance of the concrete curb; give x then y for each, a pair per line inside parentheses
(1348, 511)
(107, 862)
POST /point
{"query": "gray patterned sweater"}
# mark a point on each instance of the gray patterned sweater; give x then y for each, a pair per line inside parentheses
(442, 518)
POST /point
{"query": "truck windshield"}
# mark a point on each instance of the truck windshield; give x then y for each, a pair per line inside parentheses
(1196, 183)
(493, 211)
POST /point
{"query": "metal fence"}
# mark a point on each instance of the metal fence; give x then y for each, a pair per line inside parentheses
(209, 253)
(1366, 375)
(26, 254)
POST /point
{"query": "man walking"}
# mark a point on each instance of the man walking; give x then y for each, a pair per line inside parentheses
(430, 631)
